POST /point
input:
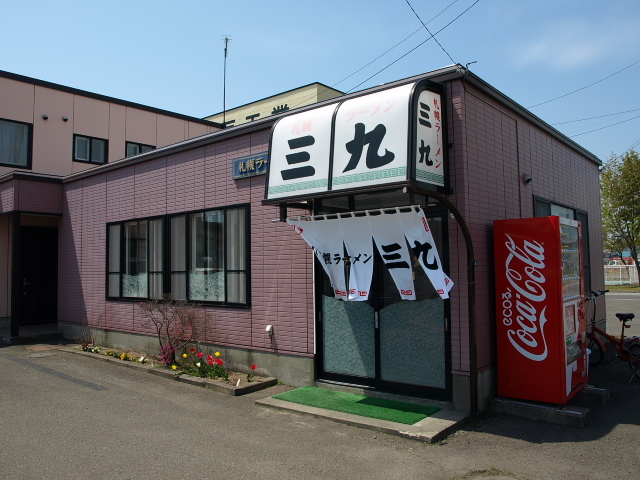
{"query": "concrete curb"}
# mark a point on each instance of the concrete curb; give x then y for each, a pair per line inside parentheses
(209, 383)
(568, 415)
(575, 413)
(430, 430)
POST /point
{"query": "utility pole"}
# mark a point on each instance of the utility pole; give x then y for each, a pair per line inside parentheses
(224, 82)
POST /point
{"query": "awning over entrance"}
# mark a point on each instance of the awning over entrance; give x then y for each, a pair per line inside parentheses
(390, 229)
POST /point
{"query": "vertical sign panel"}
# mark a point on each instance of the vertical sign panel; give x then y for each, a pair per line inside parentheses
(300, 153)
(429, 149)
(370, 143)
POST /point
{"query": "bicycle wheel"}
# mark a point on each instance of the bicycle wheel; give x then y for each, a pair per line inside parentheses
(597, 353)
(634, 359)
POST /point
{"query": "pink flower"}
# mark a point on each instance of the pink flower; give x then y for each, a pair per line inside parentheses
(253, 367)
(199, 354)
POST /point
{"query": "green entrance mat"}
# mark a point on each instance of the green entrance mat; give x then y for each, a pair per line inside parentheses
(399, 412)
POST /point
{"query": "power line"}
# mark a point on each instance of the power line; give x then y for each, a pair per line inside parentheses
(590, 85)
(427, 29)
(599, 116)
(637, 142)
(414, 48)
(400, 42)
(602, 128)
(380, 56)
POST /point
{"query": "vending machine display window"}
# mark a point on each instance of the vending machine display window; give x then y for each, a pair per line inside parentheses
(569, 320)
(570, 248)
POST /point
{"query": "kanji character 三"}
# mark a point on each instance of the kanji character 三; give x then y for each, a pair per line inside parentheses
(388, 249)
(299, 157)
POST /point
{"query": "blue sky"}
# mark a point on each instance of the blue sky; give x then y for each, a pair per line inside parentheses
(169, 54)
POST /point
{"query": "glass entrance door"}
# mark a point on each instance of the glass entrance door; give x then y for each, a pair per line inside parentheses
(386, 342)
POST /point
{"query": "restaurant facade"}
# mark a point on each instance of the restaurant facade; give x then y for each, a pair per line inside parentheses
(347, 242)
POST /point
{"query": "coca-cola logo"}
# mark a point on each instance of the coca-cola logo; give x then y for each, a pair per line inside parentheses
(525, 299)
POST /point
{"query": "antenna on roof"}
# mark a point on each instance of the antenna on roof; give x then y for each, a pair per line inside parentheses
(224, 81)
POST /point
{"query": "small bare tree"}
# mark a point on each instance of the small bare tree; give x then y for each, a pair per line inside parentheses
(176, 322)
(87, 335)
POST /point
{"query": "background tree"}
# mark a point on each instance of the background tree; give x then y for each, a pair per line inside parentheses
(620, 189)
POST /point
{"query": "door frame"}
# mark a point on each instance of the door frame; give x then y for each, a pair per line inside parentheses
(377, 383)
(18, 218)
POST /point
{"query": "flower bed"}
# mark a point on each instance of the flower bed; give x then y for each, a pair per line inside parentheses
(194, 368)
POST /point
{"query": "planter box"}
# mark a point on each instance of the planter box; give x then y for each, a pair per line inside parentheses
(222, 387)
(258, 383)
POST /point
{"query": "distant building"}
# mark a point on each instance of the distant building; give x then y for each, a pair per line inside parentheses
(48, 131)
(52, 129)
(280, 103)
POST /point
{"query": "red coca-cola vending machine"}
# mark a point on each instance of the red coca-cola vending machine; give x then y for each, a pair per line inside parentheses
(540, 322)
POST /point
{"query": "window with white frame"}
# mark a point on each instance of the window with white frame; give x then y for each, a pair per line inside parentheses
(89, 149)
(137, 148)
(206, 256)
(15, 144)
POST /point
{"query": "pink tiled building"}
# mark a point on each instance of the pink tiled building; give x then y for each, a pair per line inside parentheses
(191, 219)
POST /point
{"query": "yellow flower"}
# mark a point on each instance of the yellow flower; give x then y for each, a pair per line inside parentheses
(174, 367)
(184, 355)
(217, 354)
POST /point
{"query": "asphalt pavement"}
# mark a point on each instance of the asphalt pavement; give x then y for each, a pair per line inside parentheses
(65, 416)
(619, 302)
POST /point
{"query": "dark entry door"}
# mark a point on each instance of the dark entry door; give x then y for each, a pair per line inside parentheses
(39, 275)
(388, 343)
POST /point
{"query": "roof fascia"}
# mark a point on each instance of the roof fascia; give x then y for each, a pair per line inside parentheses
(502, 98)
(105, 98)
(452, 72)
(35, 177)
(273, 96)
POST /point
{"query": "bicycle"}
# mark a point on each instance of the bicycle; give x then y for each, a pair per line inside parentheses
(627, 348)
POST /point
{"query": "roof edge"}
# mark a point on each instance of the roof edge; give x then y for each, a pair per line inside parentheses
(277, 94)
(478, 82)
(105, 98)
(445, 74)
(36, 177)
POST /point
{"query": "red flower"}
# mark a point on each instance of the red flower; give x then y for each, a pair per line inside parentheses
(199, 354)
(192, 350)
(219, 362)
(209, 357)
(210, 361)
(253, 367)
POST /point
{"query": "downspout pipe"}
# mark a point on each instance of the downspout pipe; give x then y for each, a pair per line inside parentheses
(473, 346)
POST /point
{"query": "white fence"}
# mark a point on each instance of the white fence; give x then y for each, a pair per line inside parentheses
(620, 274)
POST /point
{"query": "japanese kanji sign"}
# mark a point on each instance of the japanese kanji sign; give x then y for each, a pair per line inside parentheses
(250, 165)
(370, 139)
(393, 231)
(300, 146)
(429, 149)
(360, 142)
